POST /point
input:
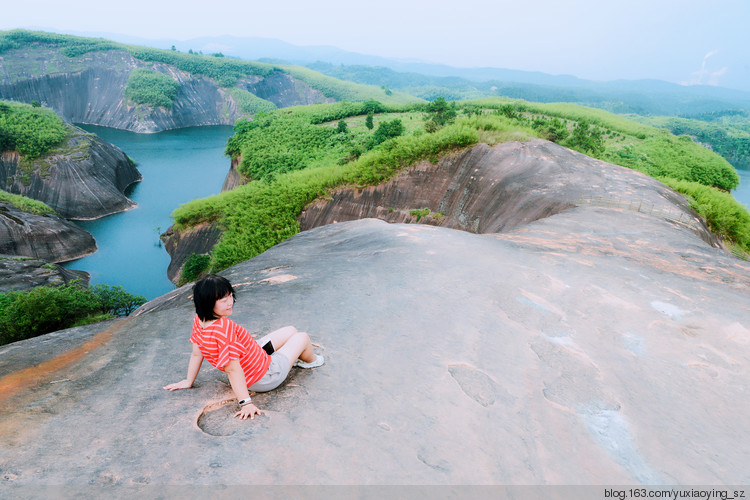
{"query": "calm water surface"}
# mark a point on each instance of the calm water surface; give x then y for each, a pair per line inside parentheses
(177, 166)
(742, 193)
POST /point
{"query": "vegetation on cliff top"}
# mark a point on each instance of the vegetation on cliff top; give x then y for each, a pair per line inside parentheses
(296, 155)
(32, 131)
(151, 88)
(726, 136)
(26, 204)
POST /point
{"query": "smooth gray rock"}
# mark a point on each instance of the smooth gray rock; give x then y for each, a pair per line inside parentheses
(45, 237)
(599, 345)
(495, 189)
(84, 179)
(24, 273)
(181, 245)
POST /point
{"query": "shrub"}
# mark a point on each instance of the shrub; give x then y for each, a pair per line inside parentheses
(46, 309)
(151, 88)
(116, 301)
(386, 130)
(194, 267)
(725, 216)
(33, 132)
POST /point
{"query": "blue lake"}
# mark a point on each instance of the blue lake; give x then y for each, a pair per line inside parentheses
(177, 166)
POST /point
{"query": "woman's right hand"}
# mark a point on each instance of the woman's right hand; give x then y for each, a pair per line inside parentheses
(249, 410)
(182, 384)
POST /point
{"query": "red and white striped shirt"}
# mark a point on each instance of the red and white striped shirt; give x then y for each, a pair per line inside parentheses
(224, 340)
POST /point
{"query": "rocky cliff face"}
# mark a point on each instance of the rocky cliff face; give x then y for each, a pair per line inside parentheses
(496, 189)
(44, 237)
(22, 273)
(234, 178)
(84, 179)
(89, 89)
(283, 90)
(180, 245)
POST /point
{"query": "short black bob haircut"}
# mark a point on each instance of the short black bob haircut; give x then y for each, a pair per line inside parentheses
(207, 291)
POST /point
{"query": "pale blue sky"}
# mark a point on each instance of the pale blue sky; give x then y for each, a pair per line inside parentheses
(674, 40)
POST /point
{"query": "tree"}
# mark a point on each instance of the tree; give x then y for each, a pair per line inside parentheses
(441, 112)
(385, 131)
(116, 301)
(369, 122)
(586, 138)
(342, 128)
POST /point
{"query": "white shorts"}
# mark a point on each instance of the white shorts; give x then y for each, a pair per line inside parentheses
(275, 375)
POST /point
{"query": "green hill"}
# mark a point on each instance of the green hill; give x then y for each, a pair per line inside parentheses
(297, 155)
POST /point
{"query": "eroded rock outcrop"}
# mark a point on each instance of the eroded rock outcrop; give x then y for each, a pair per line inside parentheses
(180, 245)
(451, 358)
(23, 273)
(45, 237)
(89, 89)
(496, 189)
(84, 179)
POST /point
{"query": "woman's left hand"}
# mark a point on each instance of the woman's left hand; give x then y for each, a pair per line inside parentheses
(249, 410)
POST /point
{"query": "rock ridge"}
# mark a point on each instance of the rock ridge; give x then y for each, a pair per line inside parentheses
(44, 237)
(496, 189)
(84, 179)
(90, 88)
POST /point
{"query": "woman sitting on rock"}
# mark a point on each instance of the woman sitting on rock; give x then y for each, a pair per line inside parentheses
(230, 348)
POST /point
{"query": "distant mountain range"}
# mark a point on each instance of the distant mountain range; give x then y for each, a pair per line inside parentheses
(257, 48)
(426, 80)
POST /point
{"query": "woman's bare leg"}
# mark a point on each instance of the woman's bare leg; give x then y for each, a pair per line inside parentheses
(291, 343)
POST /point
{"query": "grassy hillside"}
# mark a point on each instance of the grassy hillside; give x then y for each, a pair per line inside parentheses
(728, 137)
(66, 54)
(298, 154)
(643, 97)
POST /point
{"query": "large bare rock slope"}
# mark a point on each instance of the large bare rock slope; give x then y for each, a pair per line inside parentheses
(597, 345)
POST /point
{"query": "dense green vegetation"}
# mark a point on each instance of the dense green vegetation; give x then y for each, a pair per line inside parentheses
(729, 139)
(32, 131)
(26, 204)
(298, 154)
(46, 309)
(151, 88)
(726, 218)
(227, 72)
(250, 103)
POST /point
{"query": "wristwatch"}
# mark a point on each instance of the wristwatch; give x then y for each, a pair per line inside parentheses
(245, 401)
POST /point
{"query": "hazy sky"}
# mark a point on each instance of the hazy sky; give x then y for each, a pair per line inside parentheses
(675, 40)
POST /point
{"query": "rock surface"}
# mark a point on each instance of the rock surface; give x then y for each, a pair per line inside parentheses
(45, 237)
(180, 245)
(84, 179)
(496, 189)
(598, 345)
(23, 273)
(89, 89)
